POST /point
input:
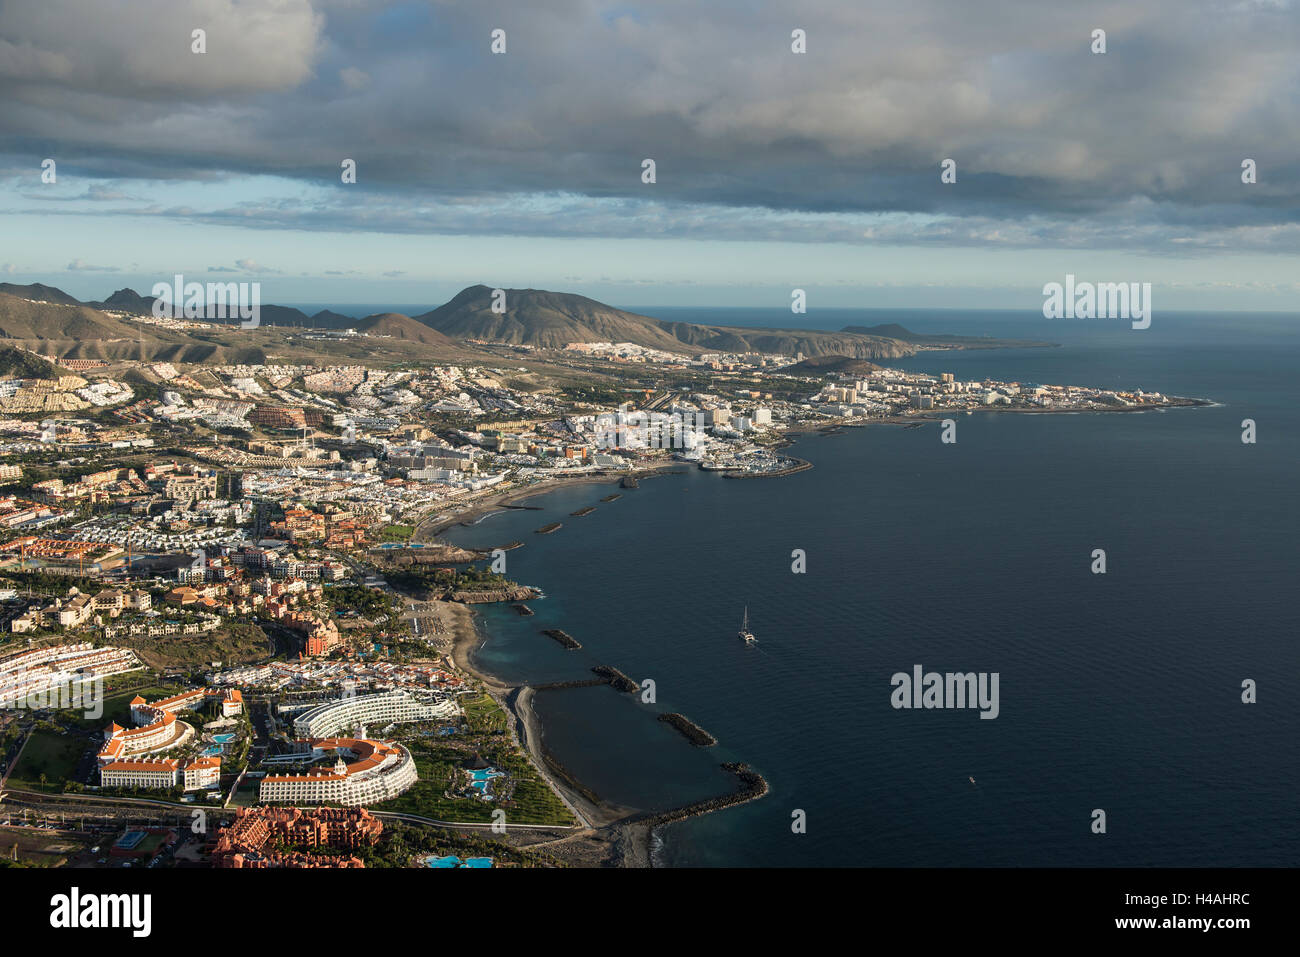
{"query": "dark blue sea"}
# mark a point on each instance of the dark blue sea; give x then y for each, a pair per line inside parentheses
(1119, 692)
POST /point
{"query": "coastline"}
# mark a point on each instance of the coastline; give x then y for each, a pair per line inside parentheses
(609, 839)
(615, 835)
(607, 835)
(427, 529)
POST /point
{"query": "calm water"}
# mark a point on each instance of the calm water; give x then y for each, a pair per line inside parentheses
(1117, 691)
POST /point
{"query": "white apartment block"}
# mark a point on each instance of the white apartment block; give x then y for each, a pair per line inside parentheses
(345, 714)
(377, 772)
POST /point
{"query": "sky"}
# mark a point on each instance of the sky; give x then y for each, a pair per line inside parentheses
(773, 169)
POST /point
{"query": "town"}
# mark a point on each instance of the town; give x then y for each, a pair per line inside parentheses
(235, 569)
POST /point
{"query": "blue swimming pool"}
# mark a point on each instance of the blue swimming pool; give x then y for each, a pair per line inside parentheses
(479, 779)
(451, 860)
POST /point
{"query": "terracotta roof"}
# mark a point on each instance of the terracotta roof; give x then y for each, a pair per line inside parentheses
(160, 764)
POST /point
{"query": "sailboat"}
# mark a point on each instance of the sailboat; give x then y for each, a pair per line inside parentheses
(745, 634)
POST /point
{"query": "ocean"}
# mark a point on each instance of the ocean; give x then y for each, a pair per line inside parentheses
(1120, 691)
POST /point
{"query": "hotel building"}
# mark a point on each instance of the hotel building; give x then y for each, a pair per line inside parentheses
(374, 771)
(162, 774)
(346, 714)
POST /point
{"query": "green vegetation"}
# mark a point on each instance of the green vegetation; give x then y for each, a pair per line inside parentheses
(444, 580)
(231, 643)
(593, 393)
(21, 364)
(440, 761)
(402, 843)
(48, 761)
(366, 602)
(482, 715)
(396, 533)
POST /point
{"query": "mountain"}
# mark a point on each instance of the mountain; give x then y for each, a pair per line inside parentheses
(80, 332)
(38, 291)
(126, 300)
(281, 316)
(39, 314)
(328, 319)
(823, 365)
(394, 325)
(551, 320)
(548, 320)
(25, 319)
(130, 301)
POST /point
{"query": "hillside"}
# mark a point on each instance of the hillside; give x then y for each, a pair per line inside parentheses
(18, 364)
(329, 319)
(126, 300)
(38, 291)
(551, 320)
(22, 319)
(80, 332)
(533, 317)
(548, 320)
(394, 325)
(823, 365)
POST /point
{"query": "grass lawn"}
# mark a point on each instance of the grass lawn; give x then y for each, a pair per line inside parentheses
(117, 704)
(53, 755)
(531, 801)
(482, 715)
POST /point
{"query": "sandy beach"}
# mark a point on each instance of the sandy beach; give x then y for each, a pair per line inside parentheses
(610, 835)
(601, 840)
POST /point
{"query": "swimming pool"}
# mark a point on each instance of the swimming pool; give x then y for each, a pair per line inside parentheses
(451, 860)
(479, 779)
(223, 738)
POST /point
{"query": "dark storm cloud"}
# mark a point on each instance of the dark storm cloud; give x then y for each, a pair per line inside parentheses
(1053, 143)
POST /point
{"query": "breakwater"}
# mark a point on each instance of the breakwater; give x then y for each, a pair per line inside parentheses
(752, 787)
(691, 731)
(547, 529)
(518, 593)
(563, 637)
(800, 465)
(616, 679)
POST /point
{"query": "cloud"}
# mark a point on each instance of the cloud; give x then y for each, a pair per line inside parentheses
(80, 265)
(1137, 146)
(250, 265)
(353, 79)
